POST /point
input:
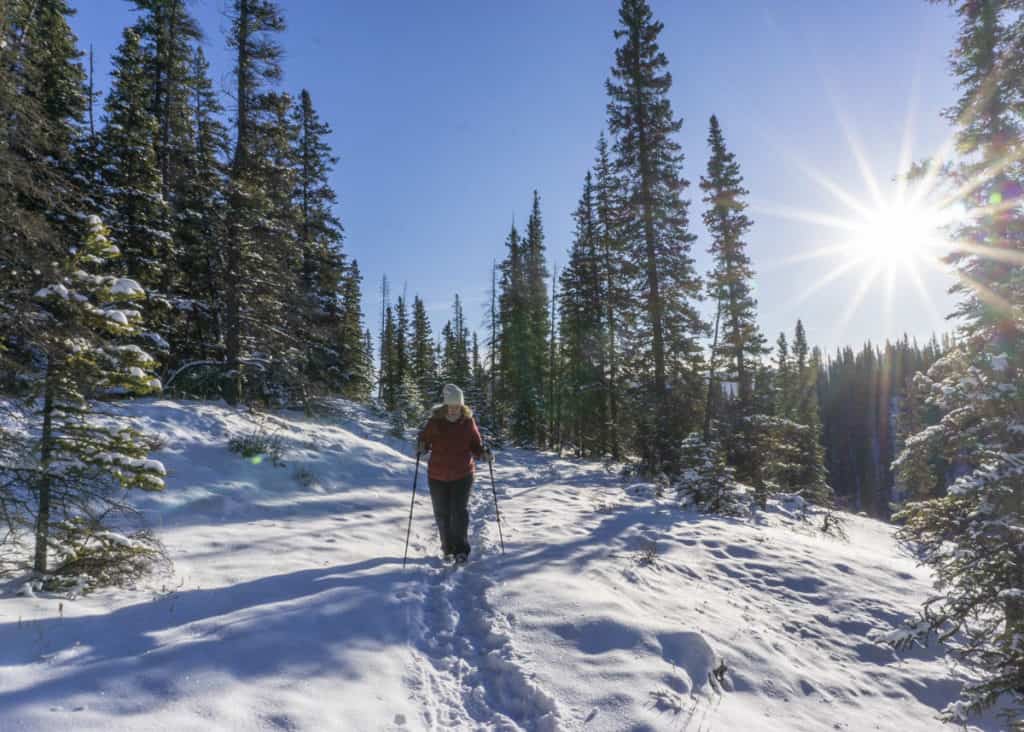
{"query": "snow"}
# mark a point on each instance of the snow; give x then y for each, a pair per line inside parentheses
(612, 608)
(57, 290)
(125, 287)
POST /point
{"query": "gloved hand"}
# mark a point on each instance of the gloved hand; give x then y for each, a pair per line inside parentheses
(420, 447)
(488, 454)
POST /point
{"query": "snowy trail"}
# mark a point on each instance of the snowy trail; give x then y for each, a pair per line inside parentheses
(476, 679)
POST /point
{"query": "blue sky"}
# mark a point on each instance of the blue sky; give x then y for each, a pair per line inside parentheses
(447, 115)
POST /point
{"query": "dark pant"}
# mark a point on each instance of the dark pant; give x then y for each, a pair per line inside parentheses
(451, 511)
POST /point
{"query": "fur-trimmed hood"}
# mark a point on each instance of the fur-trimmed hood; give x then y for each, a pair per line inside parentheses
(440, 411)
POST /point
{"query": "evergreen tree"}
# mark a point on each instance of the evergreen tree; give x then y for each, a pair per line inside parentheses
(615, 274)
(200, 224)
(80, 324)
(477, 386)
(43, 100)
(971, 537)
(424, 366)
(583, 337)
(455, 359)
(138, 214)
(168, 34)
(649, 162)
(323, 266)
(784, 379)
(257, 63)
(730, 281)
(538, 359)
(514, 385)
(355, 342)
(389, 372)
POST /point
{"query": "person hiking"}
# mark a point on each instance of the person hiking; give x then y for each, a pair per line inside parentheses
(453, 440)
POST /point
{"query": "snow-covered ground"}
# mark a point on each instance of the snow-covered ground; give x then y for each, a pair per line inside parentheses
(288, 607)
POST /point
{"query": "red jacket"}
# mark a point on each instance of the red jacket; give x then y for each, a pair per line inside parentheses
(452, 445)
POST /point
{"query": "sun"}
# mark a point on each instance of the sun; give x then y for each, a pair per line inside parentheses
(899, 234)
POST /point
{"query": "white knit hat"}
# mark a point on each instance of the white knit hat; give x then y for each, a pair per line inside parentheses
(452, 395)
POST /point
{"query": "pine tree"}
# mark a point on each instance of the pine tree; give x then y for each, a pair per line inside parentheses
(382, 355)
(784, 380)
(81, 324)
(138, 214)
(513, 346)
(199, 197)
(323, 265)
(615, 274)
(477, 385)
(257, 63)
(355, 342)
(424, 366)
(971, 537)
(740, 344)
(649, 162)
(168, 35)
(43, 97)
(407, 405)
(535, 276)
(583, 337)
(389, 372)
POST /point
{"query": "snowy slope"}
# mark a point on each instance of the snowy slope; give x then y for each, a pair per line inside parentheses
(288, 607)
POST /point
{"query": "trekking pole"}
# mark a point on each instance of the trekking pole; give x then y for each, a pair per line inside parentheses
(412, 503)
(494, 492)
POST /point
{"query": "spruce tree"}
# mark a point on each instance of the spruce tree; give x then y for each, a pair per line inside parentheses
(323, 265)
(615, 275)
(514, 385)
(199, 229)
(138, 214)
(583, 337)
(740, 344)
(971, 537)
(388, 372)
(533, 413)
(41, 200)
(257, 64)
(424, 366)
(355, 343)
(649, 163)
(82, 322)
(169, 36)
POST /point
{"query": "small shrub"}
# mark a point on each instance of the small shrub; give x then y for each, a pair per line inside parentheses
(304, 477)
(258, 445)
(833, 523)
(90, 556)
(648, 555)
(706, 482)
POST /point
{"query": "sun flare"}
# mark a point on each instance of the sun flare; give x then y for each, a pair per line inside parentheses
(899, 234)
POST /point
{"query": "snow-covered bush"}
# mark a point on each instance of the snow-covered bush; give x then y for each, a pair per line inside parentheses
(706, 482)
(91, 556)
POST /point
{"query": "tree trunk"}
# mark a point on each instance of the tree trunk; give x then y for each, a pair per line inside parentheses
(232, 294)
(711, 377)
(46, 450)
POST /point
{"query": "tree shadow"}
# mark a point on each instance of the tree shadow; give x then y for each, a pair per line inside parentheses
(317, 621)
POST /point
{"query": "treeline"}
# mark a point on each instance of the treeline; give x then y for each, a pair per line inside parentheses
(609, 357)
(866, 400)
(230, 229)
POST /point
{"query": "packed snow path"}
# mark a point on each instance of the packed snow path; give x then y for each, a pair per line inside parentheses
(288, 608)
